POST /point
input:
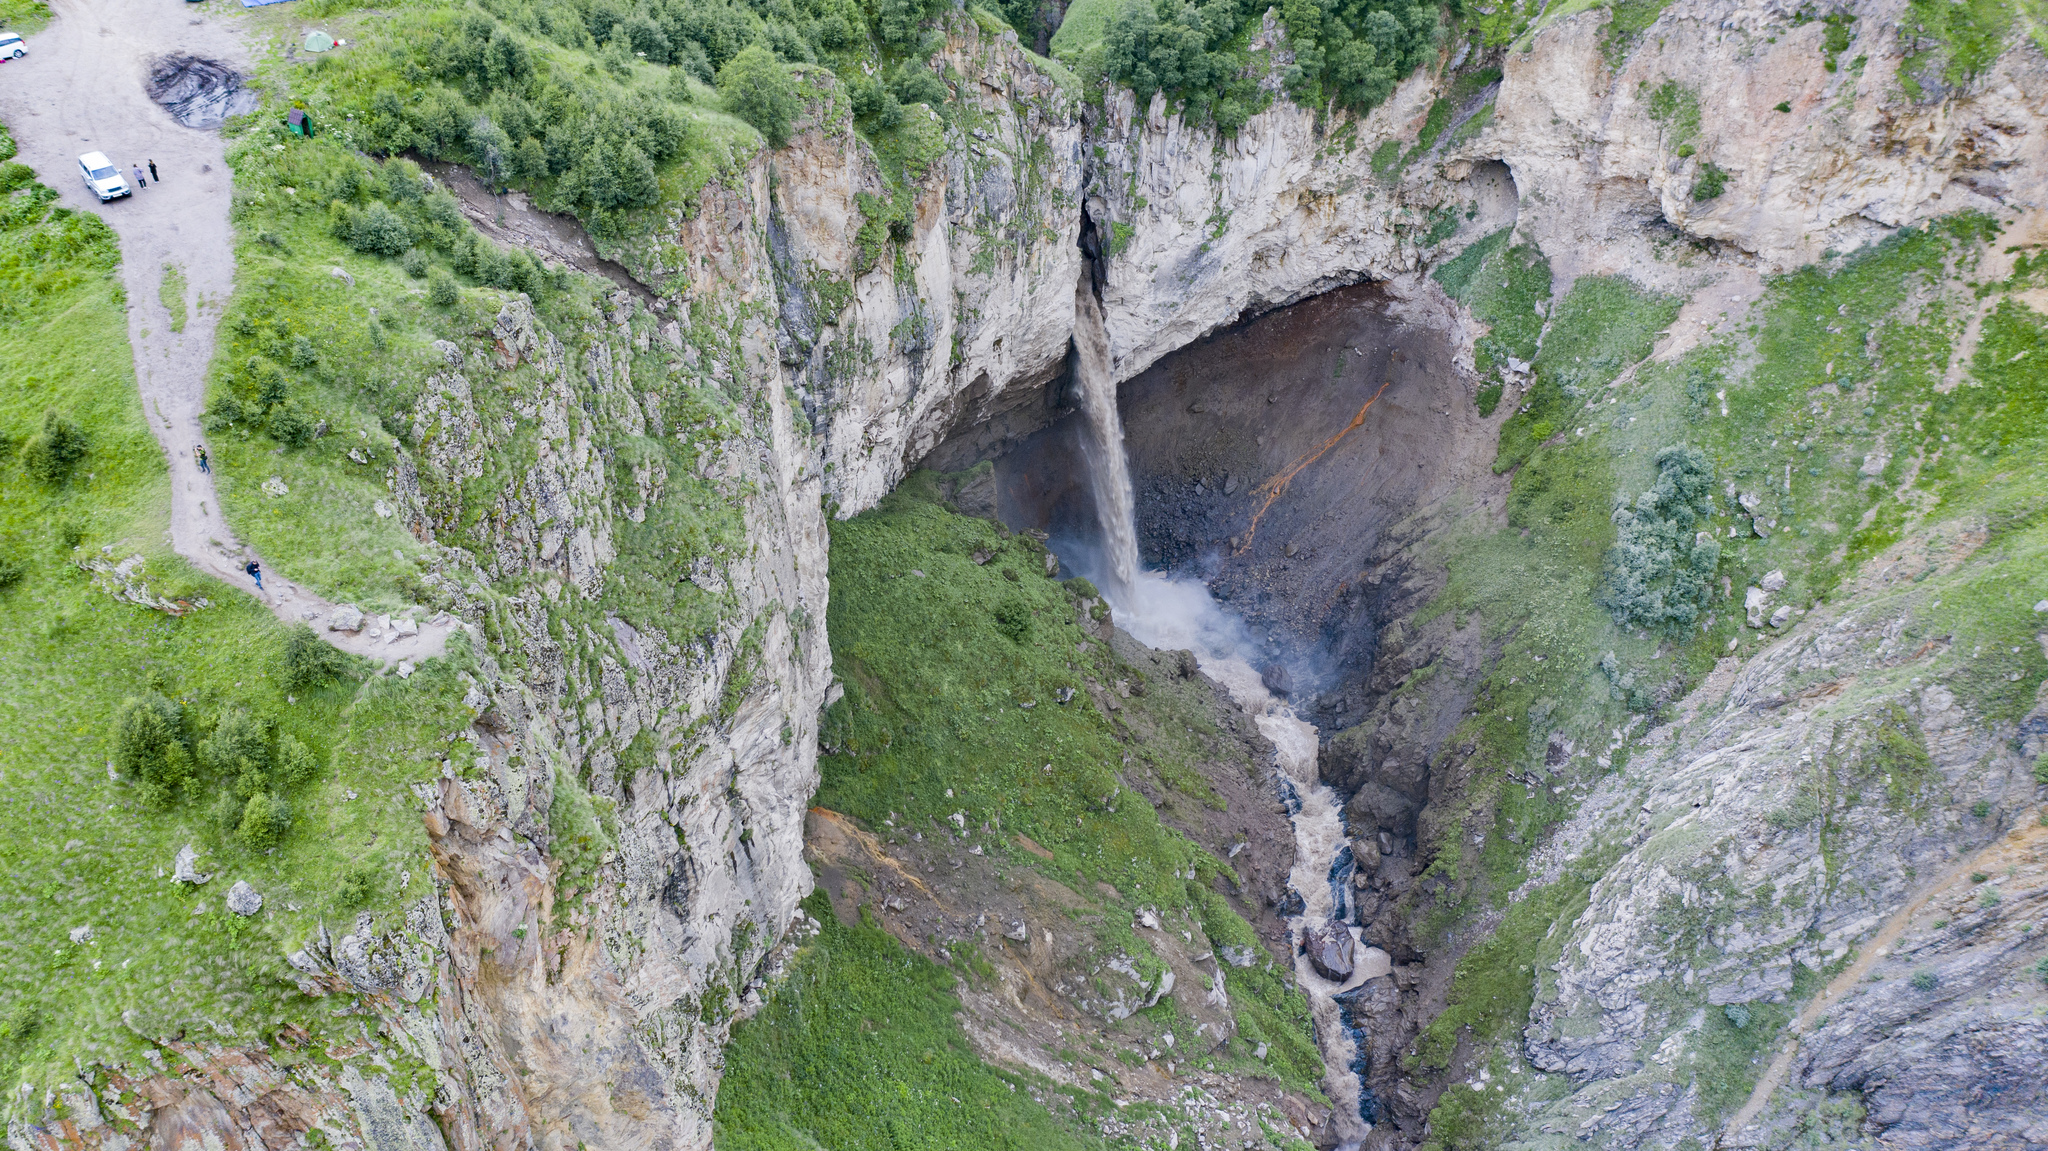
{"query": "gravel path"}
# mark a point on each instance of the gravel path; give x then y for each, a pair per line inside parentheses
(80, 89)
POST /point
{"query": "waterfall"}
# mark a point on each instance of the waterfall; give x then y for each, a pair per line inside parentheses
(1180, 614)
(1114, 504)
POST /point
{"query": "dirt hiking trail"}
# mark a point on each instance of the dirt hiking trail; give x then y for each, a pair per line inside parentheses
(81, 89)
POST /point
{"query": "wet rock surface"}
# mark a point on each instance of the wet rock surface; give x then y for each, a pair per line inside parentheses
(1331, 950)
(198, 92)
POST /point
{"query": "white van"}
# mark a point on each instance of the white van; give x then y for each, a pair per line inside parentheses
(101, 176)
(11, 47)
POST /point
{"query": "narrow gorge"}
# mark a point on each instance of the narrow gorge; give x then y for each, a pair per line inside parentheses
(884, 574)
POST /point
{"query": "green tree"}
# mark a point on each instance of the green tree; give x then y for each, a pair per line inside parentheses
(51, 452)
(308, 661)
(149, 744)
(759, 89)
(265, 820)
(1658, 571)
(239, 750)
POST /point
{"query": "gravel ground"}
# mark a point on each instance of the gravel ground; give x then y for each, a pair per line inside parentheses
(81, 88)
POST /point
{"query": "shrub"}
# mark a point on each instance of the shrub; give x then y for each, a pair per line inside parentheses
(1981, 809)
(265, 819)
(1658, 570)
(1013, 619)
(1738, 1014)
(1925, 980)
(1989, 898)
(239, 750)
(304, 355)
(308, 661)
(1710, 183)
(378, 231)
(224, 411)
(441, 289)
(51, 452)
(296, 762)
(758, 89)
(149, 744)
(356, 888)
(414, 262)
(12, 571)
(2041, 969)
(289, 426)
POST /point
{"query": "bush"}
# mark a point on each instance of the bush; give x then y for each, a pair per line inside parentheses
(149, 744)
(265, 820)
(239, 750)
(223, 412)
(296, 763)
(414, 263)
(378, 231)
(1924, 980)
(308, 661)
(356, 888)
(1658, 571)
(1013, 619)
(289, 426)
(12, 571)
(51, 452)
(759, 89)
(441, 289)
(1711, 182)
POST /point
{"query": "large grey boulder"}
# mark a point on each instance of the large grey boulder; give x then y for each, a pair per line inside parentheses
(244, 899)
(1331, 951)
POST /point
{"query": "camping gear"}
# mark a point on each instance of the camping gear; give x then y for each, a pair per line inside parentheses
(318, 41)
(300, 123)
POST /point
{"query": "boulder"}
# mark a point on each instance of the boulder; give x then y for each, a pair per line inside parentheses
(345, 617)
(1331, 951)
(185, 868)
(243, 899)
(1276, 679)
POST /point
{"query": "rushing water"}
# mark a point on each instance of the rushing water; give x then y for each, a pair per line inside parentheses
(1114, 504)
(1180, 614)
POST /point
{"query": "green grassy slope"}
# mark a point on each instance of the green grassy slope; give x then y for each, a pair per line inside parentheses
(940, 656)
(84, 849)
(1834, 410)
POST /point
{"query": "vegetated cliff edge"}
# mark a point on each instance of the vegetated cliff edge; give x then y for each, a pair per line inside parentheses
(851, 360)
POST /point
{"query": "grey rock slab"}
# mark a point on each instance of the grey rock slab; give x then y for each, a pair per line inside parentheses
(185, 868)
(244, 899)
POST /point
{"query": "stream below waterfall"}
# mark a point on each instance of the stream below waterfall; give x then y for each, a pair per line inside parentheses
(1166, 613)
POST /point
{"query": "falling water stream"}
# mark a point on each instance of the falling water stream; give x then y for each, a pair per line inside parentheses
(1180, 614)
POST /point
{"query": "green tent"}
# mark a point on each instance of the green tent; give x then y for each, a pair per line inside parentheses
(317, 41)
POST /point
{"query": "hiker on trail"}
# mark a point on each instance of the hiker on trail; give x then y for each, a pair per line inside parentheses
(199, 456)
(152, 172)
(255, 573)
(139, 181)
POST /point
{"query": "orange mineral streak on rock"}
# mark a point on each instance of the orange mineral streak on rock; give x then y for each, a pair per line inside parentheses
(1276, 487)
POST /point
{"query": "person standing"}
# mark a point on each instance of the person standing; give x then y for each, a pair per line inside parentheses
(255, 573)
(139, 181)
(152, 172)
(199, 457)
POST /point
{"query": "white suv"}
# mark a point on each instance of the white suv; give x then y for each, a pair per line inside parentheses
(11, 47)
(101, 176)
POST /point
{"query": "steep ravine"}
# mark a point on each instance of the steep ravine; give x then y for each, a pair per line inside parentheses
(1599, 899)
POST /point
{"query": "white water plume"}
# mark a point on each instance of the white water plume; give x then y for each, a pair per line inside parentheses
(1180, 615)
